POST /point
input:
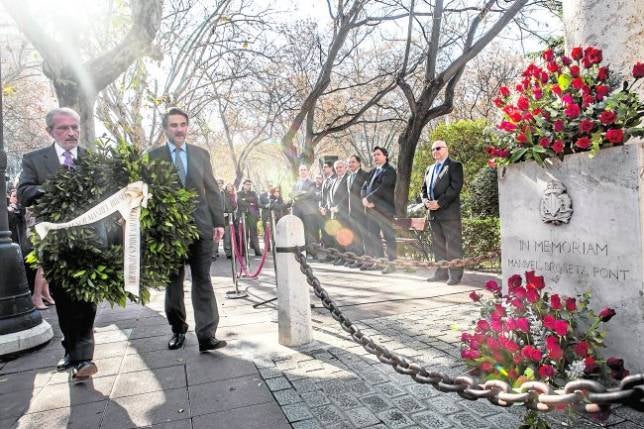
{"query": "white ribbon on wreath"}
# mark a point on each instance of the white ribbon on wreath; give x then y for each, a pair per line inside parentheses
(128, 202)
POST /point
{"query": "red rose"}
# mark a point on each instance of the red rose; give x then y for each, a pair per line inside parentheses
(590, 365)
(546, 371)
(601, 91)
(531, 353)
(537, 93)
(555, 302)
(521, 138)
(577, 83)
(516, 303)
(615, 135)
(566, 60)
(607, 117)
(475, 296)
(507, 126)
(638, 70)
(523, 103)
(499, 311)
(602, 73)
(615, 362)
(519, 87)
(554, 351)
(514, 281)
(572, 111)
(498, 102)
(574, 70)
(583, 143)
(496, 325)
(552, 67)
(556, 89)
(571, 304)
(567, 99)
(482, 325)
(522, 324)
(548, 55)
(544, 77)
(586, 125)
(544, 142)
(581, 349)
(593, 55)
(532, 295)
(504, 91)
(576, 53)
(587, 100)
(493, 286)
(561, 327)
(486, 367)
(606, 314)
(558, 146)
(534, 281)
(558, 126)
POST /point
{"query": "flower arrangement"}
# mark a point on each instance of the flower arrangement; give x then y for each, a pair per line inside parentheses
(529, 334)
(571, 104)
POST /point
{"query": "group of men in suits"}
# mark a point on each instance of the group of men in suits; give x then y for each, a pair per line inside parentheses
(194, 170)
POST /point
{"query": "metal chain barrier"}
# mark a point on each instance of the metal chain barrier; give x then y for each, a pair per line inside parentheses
(405, 263)
(534, 394)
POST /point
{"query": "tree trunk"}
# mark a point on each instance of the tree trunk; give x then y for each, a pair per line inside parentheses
(407, 143)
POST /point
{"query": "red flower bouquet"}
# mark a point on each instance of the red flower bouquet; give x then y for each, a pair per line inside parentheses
(570, 104)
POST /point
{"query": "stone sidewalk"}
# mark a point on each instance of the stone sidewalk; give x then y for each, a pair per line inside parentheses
(256, 383)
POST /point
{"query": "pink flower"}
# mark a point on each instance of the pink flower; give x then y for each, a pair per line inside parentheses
(606, 314)
(537, 93)
(572, 110)
(520, 324)
(504, 91)
(482, 326)
(558, 146)
(567, 99)
(571, 304)
(607, 117)
(475, 296)
(558, 125)
(493, 286)
(486, 367)
(555, 302)
(615, 135)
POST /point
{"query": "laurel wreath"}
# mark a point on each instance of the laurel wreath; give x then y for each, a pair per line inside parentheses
(87, 261)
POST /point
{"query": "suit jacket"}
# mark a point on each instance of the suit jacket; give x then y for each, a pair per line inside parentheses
(199, 178)
(326, 190)
(38, 167)
(339, 196)
(356, 209)
(447, 190)
(304, 196)
(248, 203)
(381, 191)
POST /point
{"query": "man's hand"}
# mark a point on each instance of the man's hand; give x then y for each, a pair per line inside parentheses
(218, 233)
(322, 211)
(433, 205)
(367, 204)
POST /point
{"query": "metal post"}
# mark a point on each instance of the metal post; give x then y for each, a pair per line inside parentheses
(234, 294)
(21, 325)
(272, 239)
(245, 235)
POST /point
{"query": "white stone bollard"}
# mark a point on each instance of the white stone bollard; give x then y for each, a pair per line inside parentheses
(293, 299)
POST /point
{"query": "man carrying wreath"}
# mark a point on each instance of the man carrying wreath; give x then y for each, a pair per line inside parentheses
(195, 174)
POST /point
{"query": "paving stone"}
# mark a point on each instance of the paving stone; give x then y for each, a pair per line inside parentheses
(362, 417)
(144, 345)
(504, 420)
(177, 424)
(480, 407)
(328, 414)
(209, 367)
(146, 409)
(11, 383)
(626, 425)
(343, 400)
(307, 424)
(468, 421)
(390, 389)
(227, 394)
(296, 412)
(286, 397)
(77, 417)
(270, 372)
(112, 336)
(374, 377)
(631, 414)
(395, 419)
(431, 420)
(360, 388)
(315, 398)
(279, 383)
(69, 395)
(305, 385)
(408, 404)
(444, 403)
(105, 367)
(267, 415)
(422, 391)
(133, 383)
(375, 402)
(153, 360)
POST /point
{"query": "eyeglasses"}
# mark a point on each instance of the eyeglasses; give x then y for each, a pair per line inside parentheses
(434, 149)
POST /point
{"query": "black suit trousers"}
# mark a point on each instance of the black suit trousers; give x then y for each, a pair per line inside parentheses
(203, 296)
(76, 321)
(447, 244)
(378, 223)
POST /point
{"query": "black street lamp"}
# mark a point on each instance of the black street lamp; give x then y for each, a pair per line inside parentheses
(21, 325)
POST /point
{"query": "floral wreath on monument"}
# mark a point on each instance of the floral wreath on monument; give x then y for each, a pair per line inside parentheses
(572, 105)
(87, 261)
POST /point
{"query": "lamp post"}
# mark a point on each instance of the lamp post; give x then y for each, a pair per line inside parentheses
(21, 325)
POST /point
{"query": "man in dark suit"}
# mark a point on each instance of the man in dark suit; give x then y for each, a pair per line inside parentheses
(329, 177)
(357, 217)
(305, 206)
(195, 173)
(339, 207)
(441, 191)
(249, 205)
(378, 199)
(76, 318)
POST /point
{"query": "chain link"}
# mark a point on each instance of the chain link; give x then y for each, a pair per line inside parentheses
(534, 394)
(405, 264)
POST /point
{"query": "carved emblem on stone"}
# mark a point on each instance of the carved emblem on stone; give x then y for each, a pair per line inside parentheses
(556, 205)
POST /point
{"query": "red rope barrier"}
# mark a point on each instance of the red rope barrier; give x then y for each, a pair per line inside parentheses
(243, 271)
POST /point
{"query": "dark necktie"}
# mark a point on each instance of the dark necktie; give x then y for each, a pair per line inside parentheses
(374, 177)
(178, 163)
(69, 159)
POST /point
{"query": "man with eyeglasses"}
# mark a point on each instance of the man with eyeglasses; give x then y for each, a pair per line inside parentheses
(441, 191)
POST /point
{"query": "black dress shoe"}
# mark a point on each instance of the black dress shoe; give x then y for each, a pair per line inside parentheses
(84, 370)
(176, 342)
(64, 364)
(211, 344)
(452, 282)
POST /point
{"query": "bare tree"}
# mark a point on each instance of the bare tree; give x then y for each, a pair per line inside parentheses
(77, 83)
